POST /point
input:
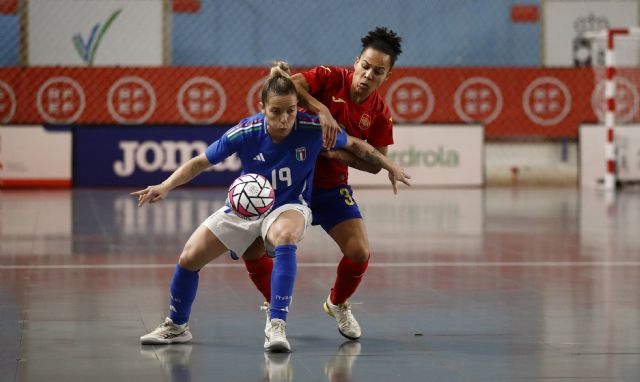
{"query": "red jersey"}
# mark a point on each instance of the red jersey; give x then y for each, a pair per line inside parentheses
(369, 121)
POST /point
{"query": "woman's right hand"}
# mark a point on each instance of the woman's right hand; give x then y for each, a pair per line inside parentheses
(151, 194)
(330, 129)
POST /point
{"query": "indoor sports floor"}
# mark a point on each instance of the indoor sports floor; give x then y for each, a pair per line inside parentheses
(493, 284)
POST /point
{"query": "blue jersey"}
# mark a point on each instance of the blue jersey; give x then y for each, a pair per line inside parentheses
(288, 165)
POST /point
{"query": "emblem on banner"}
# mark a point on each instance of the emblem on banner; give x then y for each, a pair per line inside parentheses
(585, 52)
(87, 49)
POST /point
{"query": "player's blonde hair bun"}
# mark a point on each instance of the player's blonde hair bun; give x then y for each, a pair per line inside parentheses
(280, 69)
(279, 82)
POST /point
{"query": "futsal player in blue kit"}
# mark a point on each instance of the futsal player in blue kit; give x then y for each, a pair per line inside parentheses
(282, 145)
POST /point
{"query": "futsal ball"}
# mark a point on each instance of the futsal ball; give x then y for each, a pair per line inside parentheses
(251, 196)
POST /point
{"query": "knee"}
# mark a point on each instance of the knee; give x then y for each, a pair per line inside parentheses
(188, 258)
(286, 236)
(357, 252)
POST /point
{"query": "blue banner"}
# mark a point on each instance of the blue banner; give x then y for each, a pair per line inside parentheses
(114, 156)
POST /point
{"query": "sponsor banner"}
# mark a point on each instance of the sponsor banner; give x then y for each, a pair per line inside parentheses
(34, 156)
(509, 102)
(433, 156)
(88, 33)
(593, 164)
(143, 155)
(567, 22)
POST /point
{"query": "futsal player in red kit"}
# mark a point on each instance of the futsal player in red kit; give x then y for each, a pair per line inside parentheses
(347, 98)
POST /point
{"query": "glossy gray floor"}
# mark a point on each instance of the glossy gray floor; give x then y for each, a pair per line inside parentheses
(464, 285)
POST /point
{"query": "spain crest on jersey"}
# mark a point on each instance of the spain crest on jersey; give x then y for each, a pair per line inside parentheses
(301, 153)
(365, 121)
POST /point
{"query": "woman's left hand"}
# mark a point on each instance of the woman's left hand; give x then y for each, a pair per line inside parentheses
(396, 174)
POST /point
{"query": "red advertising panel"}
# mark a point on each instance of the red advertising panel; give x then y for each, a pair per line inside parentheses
(8, 6)
(509, 102)
(185, 6)
(131, 96)
(8, 95)
(524, 13)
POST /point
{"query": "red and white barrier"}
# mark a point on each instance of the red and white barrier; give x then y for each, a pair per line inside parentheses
(611, 36)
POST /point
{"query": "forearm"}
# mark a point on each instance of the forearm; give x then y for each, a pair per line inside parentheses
(369, 154)
(352, 161)
(187, 171)
(305, 99)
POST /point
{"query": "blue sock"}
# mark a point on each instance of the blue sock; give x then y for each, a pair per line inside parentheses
(283, 278)
(183, 291)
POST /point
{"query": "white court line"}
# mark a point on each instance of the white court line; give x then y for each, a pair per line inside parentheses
(488, 264)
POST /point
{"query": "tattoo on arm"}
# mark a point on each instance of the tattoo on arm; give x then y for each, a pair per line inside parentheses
(372, 155)
(362, 156)
(349, 160)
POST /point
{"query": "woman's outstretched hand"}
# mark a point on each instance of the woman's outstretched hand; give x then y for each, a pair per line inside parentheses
(398, 174)
(151, 194)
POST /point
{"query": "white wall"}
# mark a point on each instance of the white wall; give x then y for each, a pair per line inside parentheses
(434, 155)
(536, 163)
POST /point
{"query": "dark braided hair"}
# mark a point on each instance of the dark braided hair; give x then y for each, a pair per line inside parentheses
(383, 40)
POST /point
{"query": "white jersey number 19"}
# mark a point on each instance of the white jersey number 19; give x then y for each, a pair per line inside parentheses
(283, 175)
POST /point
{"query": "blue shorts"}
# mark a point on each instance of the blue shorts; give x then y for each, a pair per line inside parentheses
(332, 206)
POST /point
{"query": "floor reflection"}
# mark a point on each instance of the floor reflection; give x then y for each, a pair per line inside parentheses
(175, 360)
(277, 367)
(339, 367)
(504, 285)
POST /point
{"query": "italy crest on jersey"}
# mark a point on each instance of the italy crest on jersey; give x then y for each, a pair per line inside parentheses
(301, 153)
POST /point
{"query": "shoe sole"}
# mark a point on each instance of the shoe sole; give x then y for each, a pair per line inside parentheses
(329, 312)
(279, 347)
(153, 341)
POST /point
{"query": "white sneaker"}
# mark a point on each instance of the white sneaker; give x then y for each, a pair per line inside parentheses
(266, 307)
(277, 339)
(167, 333)
(347, 324)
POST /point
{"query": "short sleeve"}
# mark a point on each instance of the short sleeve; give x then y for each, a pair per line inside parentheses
(318, 77)
(222, 148)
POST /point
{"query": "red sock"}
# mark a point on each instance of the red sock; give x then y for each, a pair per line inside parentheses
(349, 277)
(260, 273)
